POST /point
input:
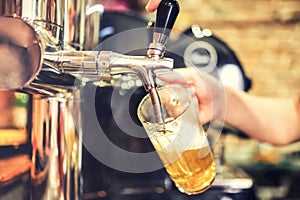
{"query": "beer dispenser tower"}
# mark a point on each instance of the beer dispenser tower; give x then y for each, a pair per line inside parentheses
(44, 53)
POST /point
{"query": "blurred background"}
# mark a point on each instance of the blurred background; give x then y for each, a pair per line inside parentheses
(263, 34)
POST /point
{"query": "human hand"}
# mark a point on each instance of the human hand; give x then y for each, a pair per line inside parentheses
(152, 5)
(209, 92)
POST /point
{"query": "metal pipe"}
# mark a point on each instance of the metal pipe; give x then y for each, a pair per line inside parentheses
(56, 147)
(56, 115)
(40, 49)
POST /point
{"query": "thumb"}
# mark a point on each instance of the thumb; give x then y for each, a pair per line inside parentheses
(152, 5)
(183, 76)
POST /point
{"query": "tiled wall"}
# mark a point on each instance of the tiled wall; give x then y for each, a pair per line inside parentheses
(265, 34)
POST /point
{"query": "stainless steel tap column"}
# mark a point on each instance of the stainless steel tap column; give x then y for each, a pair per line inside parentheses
(56, 147)
(39, 37)
(29, 29)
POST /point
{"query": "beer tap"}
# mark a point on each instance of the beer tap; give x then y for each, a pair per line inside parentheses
(109, 64)
(87, 65)
(167, 13)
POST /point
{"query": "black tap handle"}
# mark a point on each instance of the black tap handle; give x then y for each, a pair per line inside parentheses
(166, 15)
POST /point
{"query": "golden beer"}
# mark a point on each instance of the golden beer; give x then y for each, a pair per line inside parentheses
(180, 140)
(194, 171)
(191, 167)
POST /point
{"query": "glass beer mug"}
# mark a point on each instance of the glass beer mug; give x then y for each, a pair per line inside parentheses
(180, 140)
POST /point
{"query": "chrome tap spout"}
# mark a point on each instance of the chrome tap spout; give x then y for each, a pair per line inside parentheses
(103, 65)
(27, 56)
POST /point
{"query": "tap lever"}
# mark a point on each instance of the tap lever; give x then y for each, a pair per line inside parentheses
(167, 13)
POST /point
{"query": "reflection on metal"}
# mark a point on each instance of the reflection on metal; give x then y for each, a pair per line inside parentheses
(38, 53)
(21, 56)
(29, 29)
(105, 65)
(56, 147)
(78, 27)
(9, 8)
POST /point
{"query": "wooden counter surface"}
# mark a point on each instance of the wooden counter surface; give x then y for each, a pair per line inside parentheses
(13, 167)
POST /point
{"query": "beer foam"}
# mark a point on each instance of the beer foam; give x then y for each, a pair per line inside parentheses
(170, 144)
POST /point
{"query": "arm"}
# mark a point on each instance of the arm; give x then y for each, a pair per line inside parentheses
(274, 120)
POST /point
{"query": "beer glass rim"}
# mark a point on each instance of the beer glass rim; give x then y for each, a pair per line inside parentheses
(146, 97)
